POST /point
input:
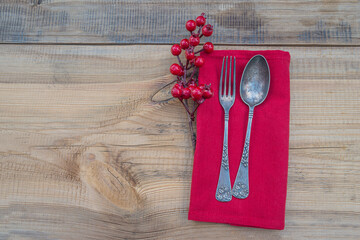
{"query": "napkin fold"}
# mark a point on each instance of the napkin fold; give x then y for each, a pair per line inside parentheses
(269, 144)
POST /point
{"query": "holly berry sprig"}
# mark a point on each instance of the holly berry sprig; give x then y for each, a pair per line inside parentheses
(186, 85)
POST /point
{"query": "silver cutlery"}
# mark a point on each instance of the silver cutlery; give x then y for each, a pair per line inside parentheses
(254, 87)
(227, 99)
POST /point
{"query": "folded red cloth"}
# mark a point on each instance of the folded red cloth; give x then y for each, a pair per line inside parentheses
(269, 144)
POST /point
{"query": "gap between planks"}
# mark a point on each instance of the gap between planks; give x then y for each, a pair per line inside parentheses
(164, 44)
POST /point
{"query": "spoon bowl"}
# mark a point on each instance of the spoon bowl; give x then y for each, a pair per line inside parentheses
(255, 81)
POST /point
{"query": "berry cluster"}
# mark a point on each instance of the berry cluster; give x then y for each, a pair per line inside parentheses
(186, 86)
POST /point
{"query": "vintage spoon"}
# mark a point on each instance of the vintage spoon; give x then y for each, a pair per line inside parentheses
(254, 87)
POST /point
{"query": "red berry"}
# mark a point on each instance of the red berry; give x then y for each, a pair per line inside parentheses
(189, 55)
(200, 21)
(208, 93)
(178, 86)
(196, 94)
(176, 92)
(199, 61)
(176, 49)
(186, 93)
(190, 25)
(207, 30)
(175, 69)
(184, 44)
(192, 82)
(192, 86)
(208, 47)
(202, 86)
(194, 41)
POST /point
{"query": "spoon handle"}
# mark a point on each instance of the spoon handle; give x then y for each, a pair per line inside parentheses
(241, 185)
(223, 190)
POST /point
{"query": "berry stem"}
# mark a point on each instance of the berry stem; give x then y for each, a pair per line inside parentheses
(193, 136)
(192, 133)
(192, 65)
(187, 63)
(180, 63)
(199, 51)
(185, 106)
(195, 108)
(193, 73)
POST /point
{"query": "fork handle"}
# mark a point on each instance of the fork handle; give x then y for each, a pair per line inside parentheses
(223, 190)
(241, 185)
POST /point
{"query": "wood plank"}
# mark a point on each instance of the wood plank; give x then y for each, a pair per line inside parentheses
(86, 154)
(325, 22)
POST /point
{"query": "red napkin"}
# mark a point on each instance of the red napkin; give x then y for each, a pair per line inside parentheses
(269, 144)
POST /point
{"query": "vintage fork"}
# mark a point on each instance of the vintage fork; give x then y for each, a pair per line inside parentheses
(227, 99)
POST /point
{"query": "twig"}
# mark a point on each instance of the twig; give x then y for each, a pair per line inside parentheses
(181, 64)
(195, 108)
(192, 74)
(199, 30)
(193, 137)
(199, 51)
(192, 65)
(185, 106)
(191, 120)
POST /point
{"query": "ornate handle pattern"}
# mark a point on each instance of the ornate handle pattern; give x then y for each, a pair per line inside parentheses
(241, 185)
(223, 190)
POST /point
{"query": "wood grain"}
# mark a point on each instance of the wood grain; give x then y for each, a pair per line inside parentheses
(325, 22)
(86, 154)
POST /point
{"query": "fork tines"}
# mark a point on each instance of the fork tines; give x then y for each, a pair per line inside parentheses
(226, 91)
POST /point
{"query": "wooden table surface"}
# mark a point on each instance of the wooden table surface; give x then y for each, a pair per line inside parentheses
(87, 153)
